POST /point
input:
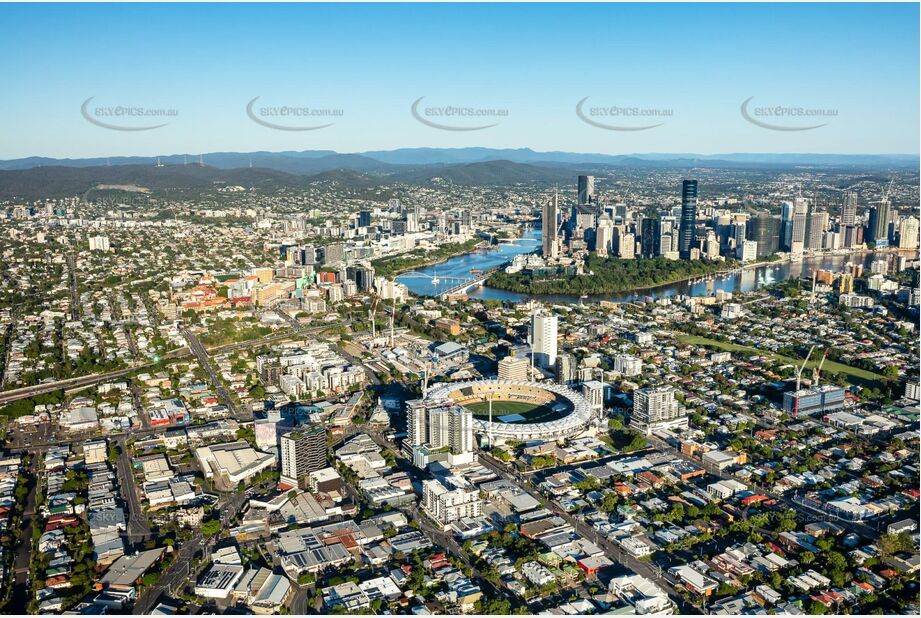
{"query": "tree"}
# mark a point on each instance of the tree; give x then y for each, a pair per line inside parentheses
(494, 607)
(890, 544)
(211, 527)
(817, 609)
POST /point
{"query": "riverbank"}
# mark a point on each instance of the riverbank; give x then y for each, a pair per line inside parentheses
(605, 276)
(722, 269)
(392, 266)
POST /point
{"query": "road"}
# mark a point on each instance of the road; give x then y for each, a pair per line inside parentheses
(201, 355)
(96, 378)
(284, 315)
(72, 281)
(7, 338)
(138, 526)
(612, 551)
(180, 572)
(810, 513)
(299, 605)
(438, 536)
(21, 593)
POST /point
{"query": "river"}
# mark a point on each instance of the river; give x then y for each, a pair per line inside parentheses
(455, 270)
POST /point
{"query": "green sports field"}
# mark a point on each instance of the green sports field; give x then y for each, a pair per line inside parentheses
(530, 412)
(854, 375)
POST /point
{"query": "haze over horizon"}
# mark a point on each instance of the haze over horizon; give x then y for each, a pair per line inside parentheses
(692, 67)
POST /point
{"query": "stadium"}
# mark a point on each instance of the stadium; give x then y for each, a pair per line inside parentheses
(520, 410)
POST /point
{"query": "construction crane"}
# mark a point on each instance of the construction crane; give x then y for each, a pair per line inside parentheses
(799, 372)
(888, 189)
(818, 368)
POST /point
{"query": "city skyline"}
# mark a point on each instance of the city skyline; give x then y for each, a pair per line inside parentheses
(861, 78)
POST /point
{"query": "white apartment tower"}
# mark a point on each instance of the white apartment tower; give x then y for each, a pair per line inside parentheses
(655, 408)
(513, 368)
(543, 339)
(450, 501)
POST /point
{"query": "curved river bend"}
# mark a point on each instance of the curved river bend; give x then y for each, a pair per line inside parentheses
(421, 282)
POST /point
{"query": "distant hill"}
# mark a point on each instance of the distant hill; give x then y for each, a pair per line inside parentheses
(487, 173)
(58, 181)
(36, 177)
(317, 161)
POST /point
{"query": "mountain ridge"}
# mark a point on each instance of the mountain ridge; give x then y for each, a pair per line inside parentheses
(316, 161)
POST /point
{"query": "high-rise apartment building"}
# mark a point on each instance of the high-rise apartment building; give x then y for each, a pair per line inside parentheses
(908, 233)
(849, 209)
(450, 500)
(565, 368)
(549, 227)
(687, 233)
(302, 451)
(628, 365)
(438, 425)
(514, 368)
(544, 339)
(586, 190)
(655, 408)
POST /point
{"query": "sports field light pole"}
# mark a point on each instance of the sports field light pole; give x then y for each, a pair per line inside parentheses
(490, 420)
(601, 371)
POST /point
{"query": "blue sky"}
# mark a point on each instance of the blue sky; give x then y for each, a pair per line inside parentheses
(701, 61)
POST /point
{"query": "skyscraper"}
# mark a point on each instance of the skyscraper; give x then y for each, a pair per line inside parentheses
(849, 209)
(786, 226)
(364, 218)
(649, 237)
(878, 226)
(543, 339)
(586, 190)
(549, 217)
(765, 230)
(604, 235)
(818, 223)
(687, 233)
(302, 452)
(412, 219)
(798, 229)
(908, 233)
